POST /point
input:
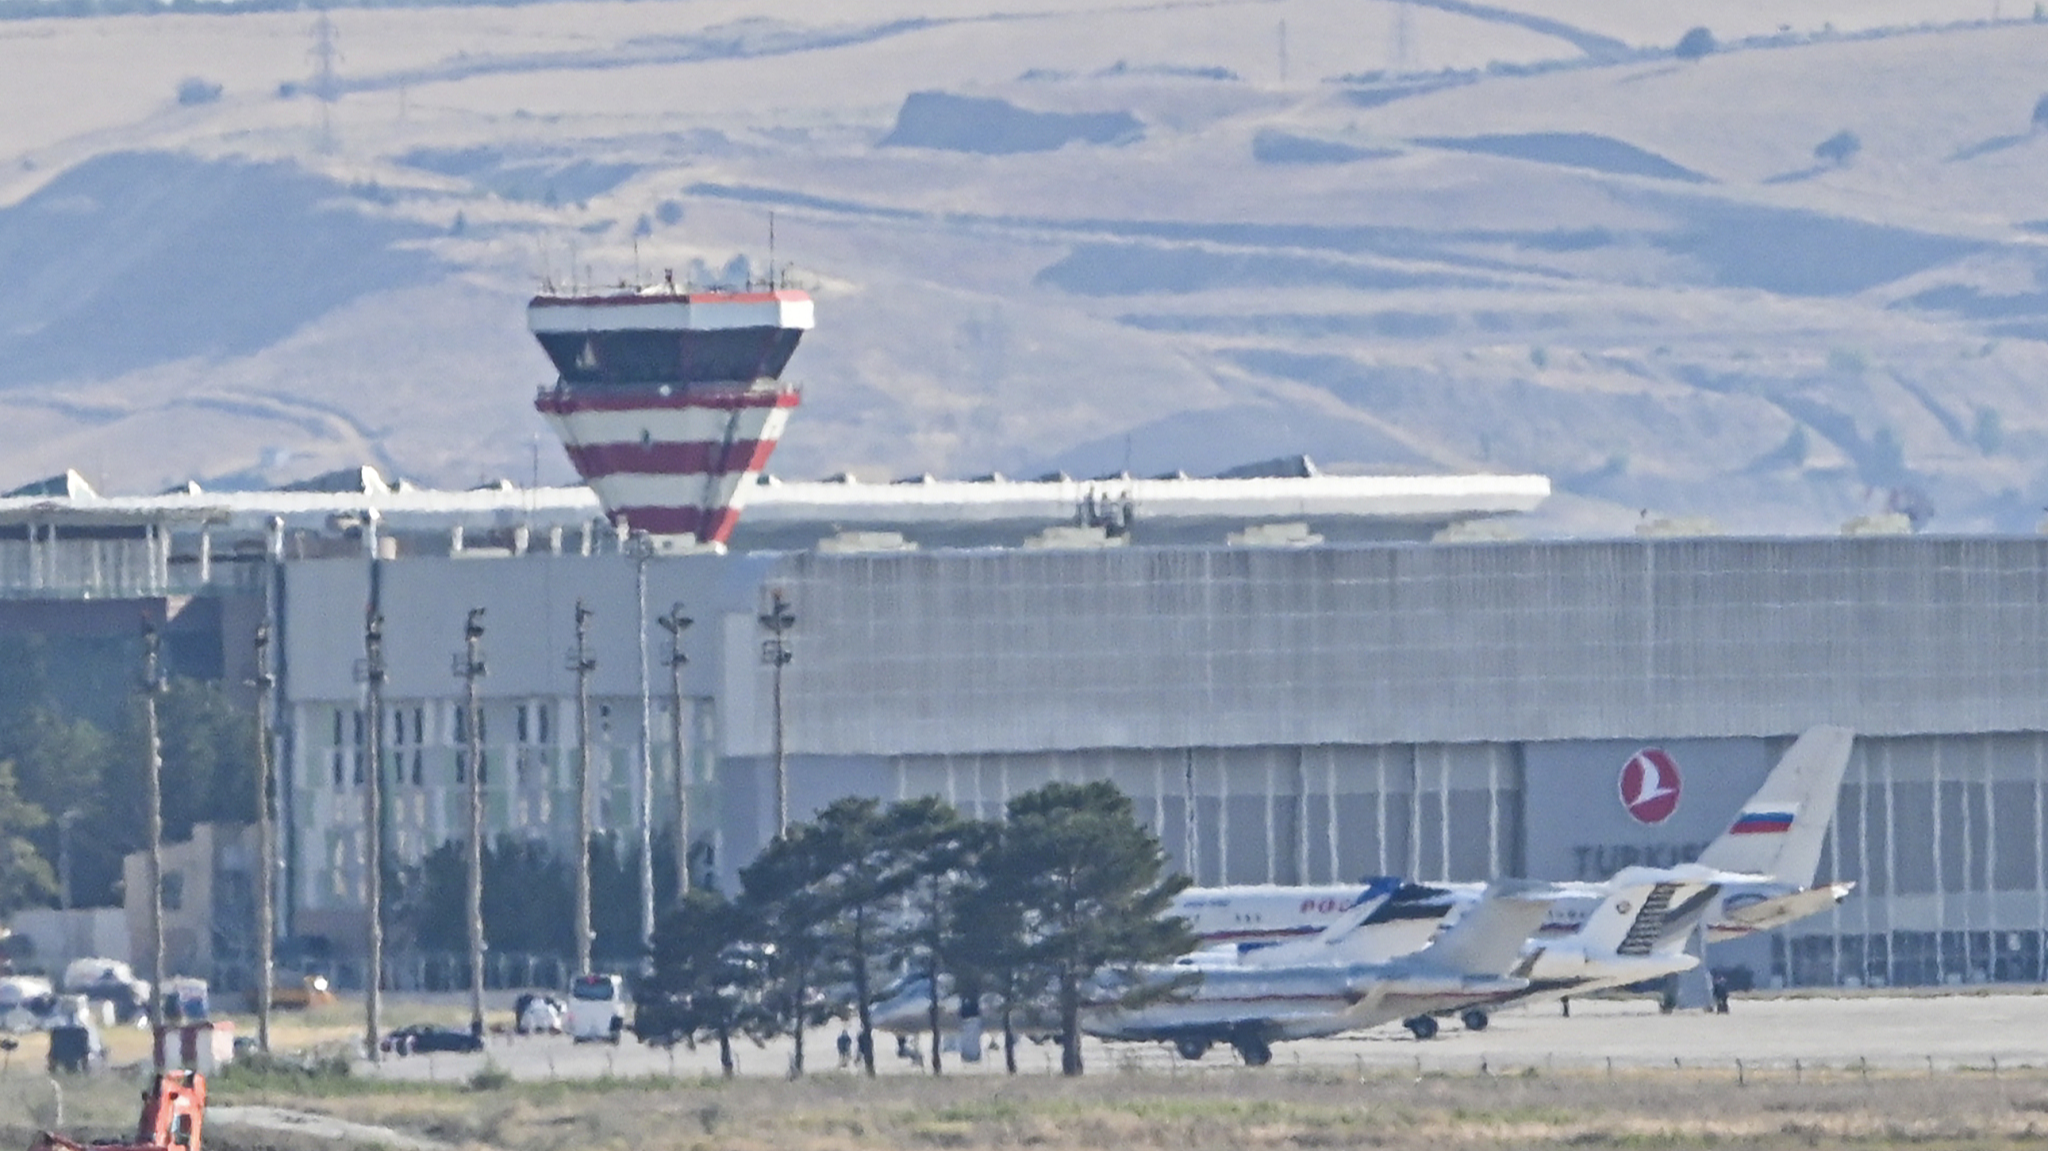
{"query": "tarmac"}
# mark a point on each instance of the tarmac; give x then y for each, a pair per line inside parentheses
(1891, 1031)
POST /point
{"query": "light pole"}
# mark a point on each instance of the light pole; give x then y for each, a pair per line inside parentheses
(470, 666)
(775, 652)
(583, 664)
(64, 823)
(373, 825)
(153, 758)
(643, 549)
(676, 622)
(266, 846)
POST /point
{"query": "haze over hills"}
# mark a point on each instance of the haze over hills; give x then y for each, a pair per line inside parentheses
(1433, 235)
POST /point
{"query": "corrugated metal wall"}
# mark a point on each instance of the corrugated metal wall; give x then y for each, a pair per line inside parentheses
(1279, 815)
(1013, 651)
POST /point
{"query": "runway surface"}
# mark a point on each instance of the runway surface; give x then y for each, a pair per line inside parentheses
(1887, 1031)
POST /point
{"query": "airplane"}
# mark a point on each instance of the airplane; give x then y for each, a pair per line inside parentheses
(1337, 982)
(1315, 986)
(1636, 932)
(1775, 838)
(905, 1006)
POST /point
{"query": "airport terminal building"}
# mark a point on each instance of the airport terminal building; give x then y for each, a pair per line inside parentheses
(1297, 714)
(1297, 679)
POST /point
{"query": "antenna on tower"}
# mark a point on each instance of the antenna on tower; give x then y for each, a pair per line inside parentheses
(1401, 30)
(771, 249)
(325, 54)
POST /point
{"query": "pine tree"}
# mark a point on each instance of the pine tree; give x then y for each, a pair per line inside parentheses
(784, 897)
(707, 979)
(944, 853)
(1090, 890)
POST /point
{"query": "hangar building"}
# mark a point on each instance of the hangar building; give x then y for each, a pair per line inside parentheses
(1310, 713)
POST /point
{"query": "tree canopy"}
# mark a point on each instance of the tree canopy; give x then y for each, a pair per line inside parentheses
(1029, 909)
(79, 777)
(707, 978)
(1090, 883)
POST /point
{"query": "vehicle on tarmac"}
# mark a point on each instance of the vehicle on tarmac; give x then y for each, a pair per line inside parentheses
(415, 1038)
(298, 991)
(597, 1007)
(112, 981)
(535, 1014)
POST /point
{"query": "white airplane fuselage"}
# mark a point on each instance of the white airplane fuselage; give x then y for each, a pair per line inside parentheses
(1251, 916)
(1290, 1003)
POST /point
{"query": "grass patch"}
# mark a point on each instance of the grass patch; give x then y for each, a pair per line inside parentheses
(1222, 1107)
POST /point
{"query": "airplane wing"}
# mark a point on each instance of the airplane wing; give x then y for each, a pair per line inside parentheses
(1773, 912)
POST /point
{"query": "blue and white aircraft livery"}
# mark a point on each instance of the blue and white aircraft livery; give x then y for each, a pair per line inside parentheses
(1776, 837)
(1285, 963)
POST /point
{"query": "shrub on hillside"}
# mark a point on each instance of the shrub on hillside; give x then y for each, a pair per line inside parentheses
(1839, 149)
(197, 90)
(1696, 42)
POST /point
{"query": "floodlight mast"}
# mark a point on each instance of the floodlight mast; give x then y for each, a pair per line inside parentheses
(470, 666)
(266, 845)
(675, 622)
(153, 764)
(776, 653)
(583, 663)
(373, 826)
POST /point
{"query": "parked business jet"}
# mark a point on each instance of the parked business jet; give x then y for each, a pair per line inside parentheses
(1315, 986)
(1325, 984)
(1775, 838)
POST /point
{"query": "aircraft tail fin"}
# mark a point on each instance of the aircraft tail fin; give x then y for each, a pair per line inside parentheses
(1779, 830)
(1487, 940)
(1378, 890)
(1341, 939)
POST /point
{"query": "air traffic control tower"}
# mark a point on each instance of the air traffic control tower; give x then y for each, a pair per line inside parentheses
(670, 401)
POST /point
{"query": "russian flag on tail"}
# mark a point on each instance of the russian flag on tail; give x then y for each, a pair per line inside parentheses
(1768, 821)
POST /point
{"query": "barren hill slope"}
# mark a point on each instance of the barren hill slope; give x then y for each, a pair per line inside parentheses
(1427, 235)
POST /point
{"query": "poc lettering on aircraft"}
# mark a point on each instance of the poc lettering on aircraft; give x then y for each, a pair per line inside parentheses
(1326, 904)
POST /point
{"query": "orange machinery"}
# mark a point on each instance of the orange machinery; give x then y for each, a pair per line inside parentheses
(173, 1112)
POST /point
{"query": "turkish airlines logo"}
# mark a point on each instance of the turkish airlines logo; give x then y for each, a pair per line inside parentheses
(1649, 786)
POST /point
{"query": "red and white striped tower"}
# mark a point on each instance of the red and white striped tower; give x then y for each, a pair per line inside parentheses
(670, 402)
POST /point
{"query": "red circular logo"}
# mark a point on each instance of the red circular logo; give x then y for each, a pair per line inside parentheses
(1649, 786)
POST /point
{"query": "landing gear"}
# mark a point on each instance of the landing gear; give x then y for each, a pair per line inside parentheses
(1253, 1050)
(1424, 1027)
(1474, 1019)
(1191, 1048)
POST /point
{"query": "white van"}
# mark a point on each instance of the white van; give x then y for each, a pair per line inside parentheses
(597, 1007)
